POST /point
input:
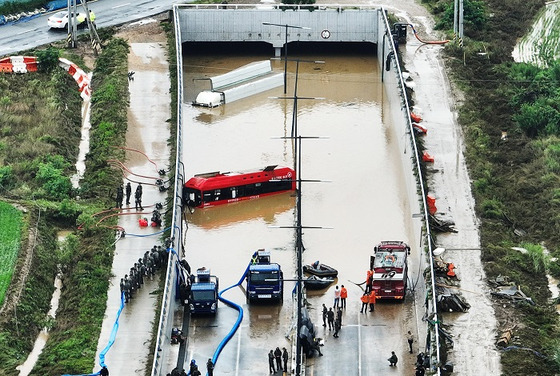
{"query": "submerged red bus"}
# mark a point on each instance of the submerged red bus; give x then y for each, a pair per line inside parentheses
(216, 188)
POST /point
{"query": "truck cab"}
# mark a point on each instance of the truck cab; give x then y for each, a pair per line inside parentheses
(390, 270)
(203, 294)
(265, 280)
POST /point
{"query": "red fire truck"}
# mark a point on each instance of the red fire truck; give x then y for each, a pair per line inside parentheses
(390, 270)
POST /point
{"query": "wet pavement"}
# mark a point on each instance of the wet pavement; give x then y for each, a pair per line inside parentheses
(361, 204)
(146, 139)
(474, 333)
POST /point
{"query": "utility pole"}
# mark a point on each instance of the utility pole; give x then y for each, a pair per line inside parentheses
(286, 26)
(95, 40)
(299, 248)
(72, 29)
(458, 21)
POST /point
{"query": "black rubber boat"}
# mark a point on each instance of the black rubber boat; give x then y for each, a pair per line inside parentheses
(317, 283)
(320, 270)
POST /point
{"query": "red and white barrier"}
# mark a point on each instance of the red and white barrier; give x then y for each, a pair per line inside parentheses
(82, 78)
(24, 64)
(18, 64)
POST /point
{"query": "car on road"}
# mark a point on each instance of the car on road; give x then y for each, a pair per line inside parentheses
(59, 20)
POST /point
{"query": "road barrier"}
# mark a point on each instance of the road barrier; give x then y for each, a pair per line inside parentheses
(18, 64)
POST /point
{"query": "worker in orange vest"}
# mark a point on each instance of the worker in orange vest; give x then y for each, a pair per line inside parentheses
(372, 298)
(365, 302)
(369, 280)
(343, 296)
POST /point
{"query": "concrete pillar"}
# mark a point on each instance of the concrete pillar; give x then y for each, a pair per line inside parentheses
(277, 51)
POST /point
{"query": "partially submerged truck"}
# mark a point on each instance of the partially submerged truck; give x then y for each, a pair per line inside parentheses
(390, 269)
(265, 280)
(203, 294)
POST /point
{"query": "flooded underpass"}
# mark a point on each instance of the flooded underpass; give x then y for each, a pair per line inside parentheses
(361, 201)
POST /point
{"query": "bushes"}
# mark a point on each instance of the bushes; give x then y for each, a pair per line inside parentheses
(108, 120)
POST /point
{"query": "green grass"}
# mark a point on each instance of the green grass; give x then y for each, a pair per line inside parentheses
(10, 234)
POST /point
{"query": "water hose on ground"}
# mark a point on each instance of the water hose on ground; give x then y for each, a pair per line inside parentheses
(235, 306)
(427, 42)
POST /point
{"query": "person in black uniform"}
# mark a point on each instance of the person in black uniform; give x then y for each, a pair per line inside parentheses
(119, 200)
(278, 357)
(210, 367)
(138, 197)
(128, 192)
(271, 362)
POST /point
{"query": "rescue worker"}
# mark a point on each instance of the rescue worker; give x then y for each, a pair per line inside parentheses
(80, 18)
(410, 340)
(336, 297)
(278, 357)
(393, 359)
(91, 16)
(324, 315)
(330, 318)
(372, 299)
(339, 315)
(365, 302)
(337, 326)
(285, 358)
(210, 367)
(128, 191)
(420, 371)
(104, 371)
(138, 197)
(119, 200)
(369, 280)
(124, 290)
(271, 362)
(343, 296)
(192, 366)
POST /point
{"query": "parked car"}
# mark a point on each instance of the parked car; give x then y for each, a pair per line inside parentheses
(59, 20)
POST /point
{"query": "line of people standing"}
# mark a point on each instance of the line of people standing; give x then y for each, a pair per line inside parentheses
(128, 191)
(144, 267)
(279, 356)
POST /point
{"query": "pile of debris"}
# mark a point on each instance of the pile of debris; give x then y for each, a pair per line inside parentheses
(505, 289)
(441, 225)
(448, 301)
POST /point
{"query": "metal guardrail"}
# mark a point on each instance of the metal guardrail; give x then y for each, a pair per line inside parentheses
(423, 191)
(164, 331)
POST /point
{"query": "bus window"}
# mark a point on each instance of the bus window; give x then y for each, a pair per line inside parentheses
(233, 192)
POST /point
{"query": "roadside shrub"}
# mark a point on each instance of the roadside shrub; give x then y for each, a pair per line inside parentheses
(539, 118)
(69, 210)
(492, 208)
(6, 177)
(53, 182)
(536, 255)
(474, 16)
(48, 59)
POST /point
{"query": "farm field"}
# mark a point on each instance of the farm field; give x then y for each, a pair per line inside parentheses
(10, 233)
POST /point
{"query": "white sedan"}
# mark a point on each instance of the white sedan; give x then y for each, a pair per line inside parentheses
(59, 20)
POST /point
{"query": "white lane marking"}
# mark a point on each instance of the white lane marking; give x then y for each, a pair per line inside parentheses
(120, 6)
(238, 350)
(26, 31)
(359, 347)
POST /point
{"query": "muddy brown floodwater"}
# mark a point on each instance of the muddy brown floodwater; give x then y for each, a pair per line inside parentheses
(360, 203)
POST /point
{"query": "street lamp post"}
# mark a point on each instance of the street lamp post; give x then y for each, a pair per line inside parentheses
(286, 26)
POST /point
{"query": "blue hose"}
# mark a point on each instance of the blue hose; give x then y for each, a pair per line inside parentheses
(239, 316)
